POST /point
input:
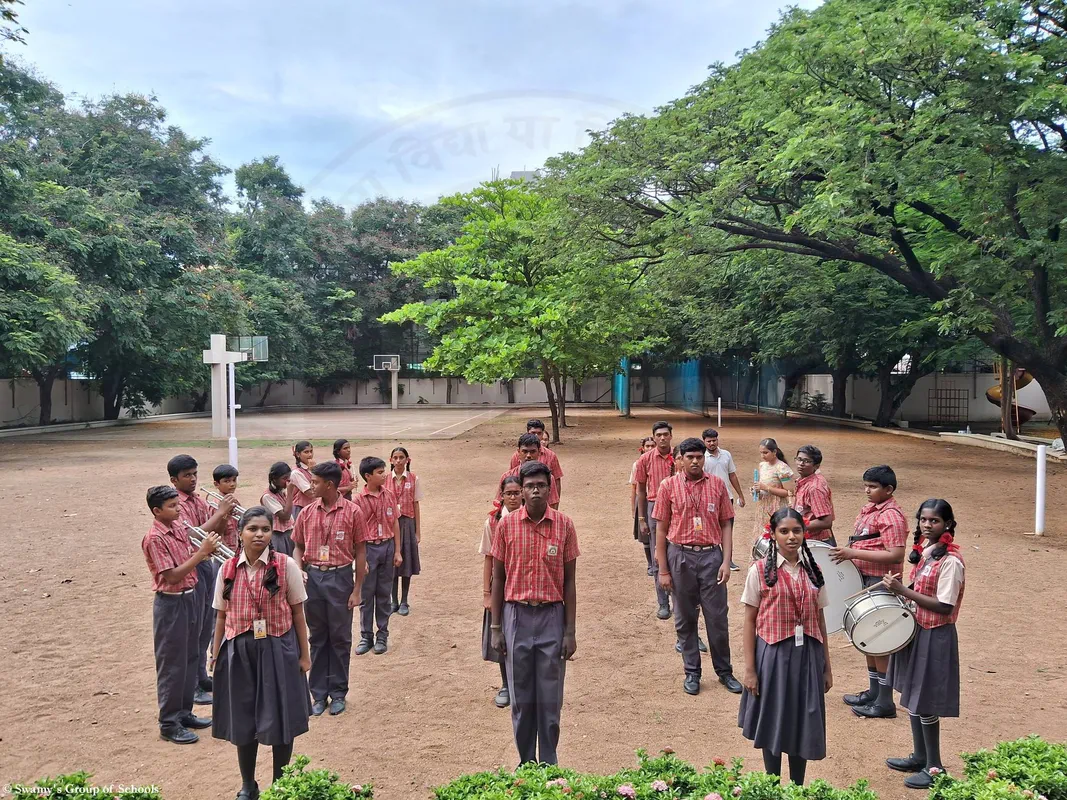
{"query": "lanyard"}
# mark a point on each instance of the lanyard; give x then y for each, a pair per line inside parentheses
(693, 498)
(784, 575)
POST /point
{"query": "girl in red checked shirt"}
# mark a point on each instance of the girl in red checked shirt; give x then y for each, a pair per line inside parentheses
(342, 454)
(648, 443)
(927, 671)
(304, 456)
(408, 491)
(278, 500)
(787, 662)
(510, 500)
(260, 653)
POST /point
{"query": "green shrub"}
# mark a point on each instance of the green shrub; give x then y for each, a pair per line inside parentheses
(1026, 769)
(76, 785)
(665, 777)
(315, 784)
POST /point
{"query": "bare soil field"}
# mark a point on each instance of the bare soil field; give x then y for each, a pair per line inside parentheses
(76, 639)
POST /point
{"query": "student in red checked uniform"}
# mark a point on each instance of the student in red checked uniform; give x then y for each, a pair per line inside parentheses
(534, 601)
(813, 498)
(195, 511)
(383, 549)
(548, 457)
(176, 613)
(260, 651)
(405, 486)
(342, 454)
(648, 443)
(278, 500)
(225, 479)
(511, 491)
(328, 541)
(877, 549)
(787, 662)
(696, 522)
(927, 671)
(652, 468)
(530, 449)
(304, 458)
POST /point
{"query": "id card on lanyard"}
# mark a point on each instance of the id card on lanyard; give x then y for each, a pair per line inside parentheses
(259, 622)
(798, 630)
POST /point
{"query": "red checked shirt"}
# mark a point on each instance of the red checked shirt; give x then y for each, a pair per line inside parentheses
(553, 487)
(814, 500)
(346, 474)
(329, 535)
(534, 554)
(941, 578)
(249, 600)
(166, 547)
(380, 511)
(547, 457)
(886, 522)
(698, 509)
(652, 469)
(193, 509)
(407, 490)
(304, 498)
(279, 499)
(793, 600)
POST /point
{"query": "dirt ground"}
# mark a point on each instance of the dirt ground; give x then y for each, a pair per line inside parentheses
(78, 689)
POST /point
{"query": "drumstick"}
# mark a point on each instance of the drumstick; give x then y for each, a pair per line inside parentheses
(868, 588)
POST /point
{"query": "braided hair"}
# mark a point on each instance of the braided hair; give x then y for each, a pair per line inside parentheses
(278, 470)
(298, 448)
(944, 511)
(270, 577)
(807, 561)
(498, 508)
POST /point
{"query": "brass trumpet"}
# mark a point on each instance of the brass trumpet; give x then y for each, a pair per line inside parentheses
(236, 513)
(197, 535)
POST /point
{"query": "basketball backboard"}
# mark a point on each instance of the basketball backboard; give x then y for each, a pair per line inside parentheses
(387, 363)
(254, 347)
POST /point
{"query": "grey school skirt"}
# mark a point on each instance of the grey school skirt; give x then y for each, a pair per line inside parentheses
(282, 541)
(789, 713)
(260, 694)
(409, 549)
(927, 673)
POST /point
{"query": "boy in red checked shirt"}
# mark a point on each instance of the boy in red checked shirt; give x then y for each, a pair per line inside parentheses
(651, 470)
(381, 511)
(547, 457)
(877, 549)
(176, 613)
(328, 541)
(694, 512)
(813, 498)
(195, 511)
(533, 612)
(531, 449)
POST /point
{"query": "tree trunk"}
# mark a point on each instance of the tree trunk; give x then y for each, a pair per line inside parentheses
(510, 387)
(577, 391)
(561, 397)
(200, 400)
(1007, 396)
(266, 393)
(1054, 385)
(885, 397)
(320, 395)
(792, 380)
(546, 379)
(840, 380)
(646, 388)
(713, 385)
(448, 391)
(45, 381)
(112, 386)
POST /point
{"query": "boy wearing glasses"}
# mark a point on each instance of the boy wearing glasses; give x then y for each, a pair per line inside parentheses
(813, 498)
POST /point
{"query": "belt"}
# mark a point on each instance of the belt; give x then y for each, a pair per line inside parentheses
(329, 568)
(177, 594)
(379, 541)
(697, 548)
(535, 603)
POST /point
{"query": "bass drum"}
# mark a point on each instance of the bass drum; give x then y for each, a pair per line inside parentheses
(842, 582)
(878, 623)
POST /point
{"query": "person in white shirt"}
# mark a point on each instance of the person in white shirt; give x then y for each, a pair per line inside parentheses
(720, 463)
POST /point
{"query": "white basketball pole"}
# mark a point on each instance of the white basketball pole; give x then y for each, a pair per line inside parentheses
(396, 388)
(233, 414)
(720, 411)
(1039, 513)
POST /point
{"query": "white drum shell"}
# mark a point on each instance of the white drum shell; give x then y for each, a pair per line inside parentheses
(878, 623)
(842, 581)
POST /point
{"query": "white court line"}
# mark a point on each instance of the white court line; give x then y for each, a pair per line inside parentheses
(394, 433)
(468, 419)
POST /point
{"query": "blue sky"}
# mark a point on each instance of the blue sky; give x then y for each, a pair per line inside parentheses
(407, 98)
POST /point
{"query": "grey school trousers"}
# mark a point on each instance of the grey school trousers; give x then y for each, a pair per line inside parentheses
(376, 595)
(696, 589)
(206, 574)
(536, 669)
(329, 630)
(662, 598)
(175, 632)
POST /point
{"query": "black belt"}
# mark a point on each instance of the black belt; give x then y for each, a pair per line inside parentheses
(863, 537)
(380, 541)
(329, 568)
(697, 548)
(535, 603)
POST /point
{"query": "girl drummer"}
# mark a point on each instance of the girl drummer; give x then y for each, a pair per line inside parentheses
(260, 653)
(927, 671)
(787, 663)
(278, 500)
(511, 499)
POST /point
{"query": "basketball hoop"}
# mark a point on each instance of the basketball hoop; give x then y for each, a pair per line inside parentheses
(391, 364)
(254, 347)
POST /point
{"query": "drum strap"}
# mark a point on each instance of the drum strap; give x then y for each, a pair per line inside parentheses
(862, 537)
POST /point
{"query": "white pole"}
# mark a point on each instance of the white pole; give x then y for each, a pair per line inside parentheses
(1039, 514)
(233, 415)
(396, 388)
(720, 411)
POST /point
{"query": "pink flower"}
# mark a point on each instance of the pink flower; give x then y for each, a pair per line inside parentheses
(626, 790)
(737, 791)
(566, 790)
(659, 786)
(557, 782)
(1041, 797)
(720, 762)
(713, 796)
(935, 771)
(991, 775)
(357, 788)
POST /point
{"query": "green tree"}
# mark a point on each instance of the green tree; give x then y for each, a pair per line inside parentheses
(922, 140)
(514, 297)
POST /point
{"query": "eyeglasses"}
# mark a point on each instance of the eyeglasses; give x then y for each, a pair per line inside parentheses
(540, 487)
(804, 461)
(513, 494)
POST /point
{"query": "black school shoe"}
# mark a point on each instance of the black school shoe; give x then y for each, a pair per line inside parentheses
(201, 698)
(318, 708)
(364, 646)
(731, 683)
(404, 609)
(178, 735)
(663, 612)
(909, 764)
(207, 684)
(866, 697)
(503, 698)
(703, 648)
(920, 780)
(691, 684)
(193, 721)
(252, 793)
(873, 711)
(337, 706)
(380, 647)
